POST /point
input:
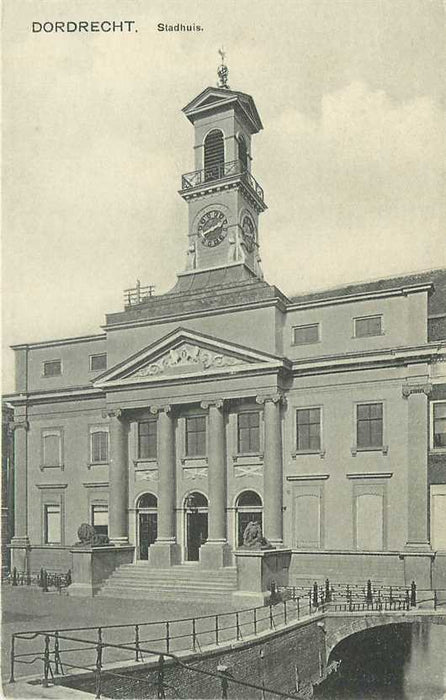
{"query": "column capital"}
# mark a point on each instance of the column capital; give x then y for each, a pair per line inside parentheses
(16, 425)
(278, 397)
(408, 389)
(218, 403)
(155, 409)
(112, 413)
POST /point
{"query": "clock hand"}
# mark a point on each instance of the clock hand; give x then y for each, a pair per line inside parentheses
(209, 230)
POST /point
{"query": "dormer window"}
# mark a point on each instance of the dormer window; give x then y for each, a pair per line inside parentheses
(214, 155)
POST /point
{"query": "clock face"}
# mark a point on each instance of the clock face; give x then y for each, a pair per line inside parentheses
(248, 233)
(212, 228)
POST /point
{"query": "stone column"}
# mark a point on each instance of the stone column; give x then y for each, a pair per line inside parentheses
(272, 470)
(119, 478)
(417, 567)
(20, 541)
(165, 551)
(216, 552)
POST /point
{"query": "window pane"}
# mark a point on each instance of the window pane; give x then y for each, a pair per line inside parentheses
(51, 450)
(306, 334)
(248, 432)
(52, 368)
(52, 524)
(308, 423)
(99, 446)
(369, 428)
(440, 425)
(369, 522)
(196, 436)
(98, 362)
(370, 325)
(99, 519)
(147, 439)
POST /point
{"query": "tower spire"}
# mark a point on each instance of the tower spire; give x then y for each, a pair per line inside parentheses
(222, 70)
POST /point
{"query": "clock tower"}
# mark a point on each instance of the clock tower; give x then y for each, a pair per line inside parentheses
(223, 197)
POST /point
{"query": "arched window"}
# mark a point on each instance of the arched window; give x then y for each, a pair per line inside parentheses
(242, 153)
(214, 155)
(196, 500)
(249, 508)
(147, 500)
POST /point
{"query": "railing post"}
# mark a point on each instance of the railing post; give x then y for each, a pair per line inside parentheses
(216, 630)
(435, 600)
(315, 595)
(160, 683)
(167, 637)
(14, 576)
(271, 621)
(369, 595)
(327, 591)
(408, 602)
(309, 601)
(224, 681)
(413, 594)
(237, 622)
(11, 676)
(255, 620)
(284, 612)
(298, 608)
(45, 581)
(56, 653)
(294, 592)
(99, 665)
(46, 662)
(194, 635)
(138, 655)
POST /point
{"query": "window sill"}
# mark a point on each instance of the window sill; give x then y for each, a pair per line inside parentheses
(194, 458)
(437, 450)
(151, 461)
(248, 455)
(97, 464)
(383, 448)
(312, 342)
(52, 466)
(303, 453)
(364, 337)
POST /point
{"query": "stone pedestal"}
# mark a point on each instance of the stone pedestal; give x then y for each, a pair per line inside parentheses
(256, 570)
(214, 555)
(20, 553)
(91, 566)
(164, 553)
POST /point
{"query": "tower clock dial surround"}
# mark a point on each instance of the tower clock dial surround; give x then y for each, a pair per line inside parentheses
(212, 228)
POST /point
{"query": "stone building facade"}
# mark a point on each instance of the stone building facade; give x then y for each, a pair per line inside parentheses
(323, 416)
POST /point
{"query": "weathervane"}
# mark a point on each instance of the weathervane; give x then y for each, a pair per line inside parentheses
(223, 71)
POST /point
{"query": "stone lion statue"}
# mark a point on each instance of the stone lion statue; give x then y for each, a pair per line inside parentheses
(89, 537)
(253, 538)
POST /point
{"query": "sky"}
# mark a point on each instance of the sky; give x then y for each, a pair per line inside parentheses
(352, 96)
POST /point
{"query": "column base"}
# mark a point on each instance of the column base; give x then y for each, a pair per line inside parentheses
(20, 551)
(215, 555)
(163, 554)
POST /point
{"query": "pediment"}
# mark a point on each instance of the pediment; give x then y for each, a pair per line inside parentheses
(211, 97)
(185, 353)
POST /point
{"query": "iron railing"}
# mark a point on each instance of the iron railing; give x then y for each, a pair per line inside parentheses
(44, 579)
(370, 593)
(138, 294)
(219, 172)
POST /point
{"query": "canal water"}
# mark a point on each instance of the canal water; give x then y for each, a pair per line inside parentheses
(405, 661)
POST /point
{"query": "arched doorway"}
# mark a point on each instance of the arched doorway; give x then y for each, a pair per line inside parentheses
(196, 509)
(249, 507)
(147, 521)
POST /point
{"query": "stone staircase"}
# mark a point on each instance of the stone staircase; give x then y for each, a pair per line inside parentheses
(188, 581)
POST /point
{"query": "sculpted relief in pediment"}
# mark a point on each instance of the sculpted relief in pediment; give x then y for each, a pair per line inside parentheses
(187, 357)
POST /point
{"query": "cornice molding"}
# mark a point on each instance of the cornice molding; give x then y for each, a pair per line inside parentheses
(348, 299)
(60, 341)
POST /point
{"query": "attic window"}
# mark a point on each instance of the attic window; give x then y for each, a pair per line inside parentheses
(214, 155)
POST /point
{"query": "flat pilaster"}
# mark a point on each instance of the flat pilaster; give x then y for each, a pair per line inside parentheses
(20, 541)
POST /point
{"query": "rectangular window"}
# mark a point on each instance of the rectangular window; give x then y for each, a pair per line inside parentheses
(308, 429)
(248, 432)
(99, 519)
(195, 436)
(439, 424)
(98, 362)
(52, 368)
(52, 524)
(147, 439)
(369, 425)
(305, 335)
(98, 445)
(368, 326)
(52, 447)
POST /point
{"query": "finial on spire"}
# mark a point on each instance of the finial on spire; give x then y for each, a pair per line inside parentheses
(223, 70)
